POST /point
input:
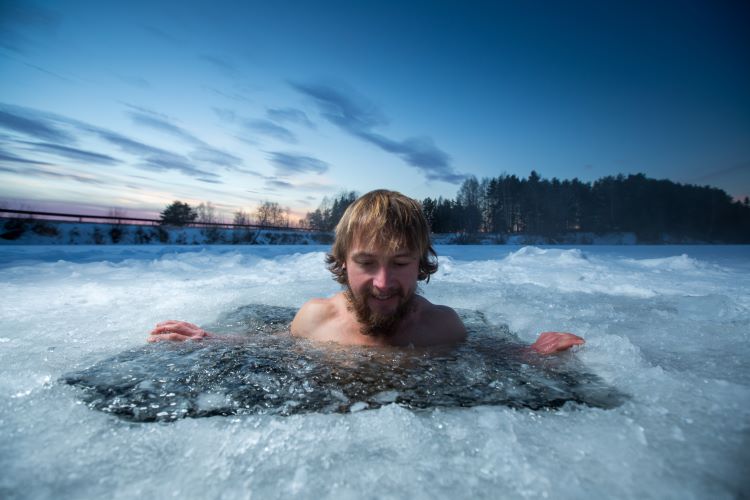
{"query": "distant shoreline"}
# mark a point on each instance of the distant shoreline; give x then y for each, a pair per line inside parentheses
(46, 232)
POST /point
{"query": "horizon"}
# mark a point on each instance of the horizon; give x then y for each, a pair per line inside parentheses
(238, 103)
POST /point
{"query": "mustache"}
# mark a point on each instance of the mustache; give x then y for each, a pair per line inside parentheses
(395, 291)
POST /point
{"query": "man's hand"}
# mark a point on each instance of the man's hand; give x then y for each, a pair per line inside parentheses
(178, 331)
(552, 342)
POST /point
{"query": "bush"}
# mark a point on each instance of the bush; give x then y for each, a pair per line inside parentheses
(97, 237)
(162, 234)
(13, 229)
(116, 234)
(142, 236)
(44, 229)
(73, 236)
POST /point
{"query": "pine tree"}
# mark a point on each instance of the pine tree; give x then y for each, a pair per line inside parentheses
(178, 214)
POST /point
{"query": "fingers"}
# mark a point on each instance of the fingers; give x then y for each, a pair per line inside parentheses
(168, 336)
(176, 331)
(552, 342)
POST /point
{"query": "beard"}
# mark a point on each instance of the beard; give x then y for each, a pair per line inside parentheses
(375, 324)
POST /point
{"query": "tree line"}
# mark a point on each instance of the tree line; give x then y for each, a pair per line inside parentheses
(649, 208)
(507, 205)
(268, 213)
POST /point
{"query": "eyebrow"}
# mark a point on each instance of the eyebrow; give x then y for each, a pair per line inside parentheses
(368, 255)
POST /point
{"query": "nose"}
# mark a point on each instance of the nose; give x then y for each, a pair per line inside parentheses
(382, 278)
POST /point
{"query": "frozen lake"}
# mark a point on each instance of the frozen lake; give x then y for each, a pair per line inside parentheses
(669, 326)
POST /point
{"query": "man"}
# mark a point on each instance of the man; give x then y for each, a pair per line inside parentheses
(382, 249)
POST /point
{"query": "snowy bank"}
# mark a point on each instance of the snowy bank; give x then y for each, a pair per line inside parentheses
(45, 232)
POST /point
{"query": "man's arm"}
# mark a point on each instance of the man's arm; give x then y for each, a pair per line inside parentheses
(178, 331)
(552, 342)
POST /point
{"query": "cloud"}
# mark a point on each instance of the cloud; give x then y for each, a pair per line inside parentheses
(291, 164)
(204, 152)
(234, 96)
(42, 125)
(208, 154)
(221, 64)
(155, 159)
(39, 172)
(355, 115)
(346, 109)
(421, 153)
(160, 34)
(290, 115)
(37, 127)
(135, 81)
(21, 20)
(279, 184)
(9, 157)
(158, 123)
(71, 153)
(211, 181)
(225, 115)
(271, 129)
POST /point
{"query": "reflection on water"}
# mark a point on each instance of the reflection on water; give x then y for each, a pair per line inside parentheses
(268, 371)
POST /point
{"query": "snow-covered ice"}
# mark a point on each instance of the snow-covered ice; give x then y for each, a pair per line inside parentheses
(667, 325)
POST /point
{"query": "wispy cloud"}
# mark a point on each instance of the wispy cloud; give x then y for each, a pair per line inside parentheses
(20, 20)
(210, 181)
(292, 164)
(135, 81)
(52, 138)
(357, 116)
(152, 158)
(271, 129)
(41, 172)
(160, 34)
(290, 115)
(10, 157)
(279, 184)
(234, 96)
(157, 122)
(203, 152)
(14, 119)
(225, 115)
(208, 154)
(71, 153)
(221, 64)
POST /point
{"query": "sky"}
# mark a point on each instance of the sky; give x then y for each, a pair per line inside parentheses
(131, 105)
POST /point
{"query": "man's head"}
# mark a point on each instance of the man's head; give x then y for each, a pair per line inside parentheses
(387, 220)
(382, 249)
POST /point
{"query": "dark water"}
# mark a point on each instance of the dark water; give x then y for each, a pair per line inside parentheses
(268, 371)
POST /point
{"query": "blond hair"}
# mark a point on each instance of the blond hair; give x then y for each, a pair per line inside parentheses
(384, 219)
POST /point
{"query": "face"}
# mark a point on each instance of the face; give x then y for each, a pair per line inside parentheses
(381, 285)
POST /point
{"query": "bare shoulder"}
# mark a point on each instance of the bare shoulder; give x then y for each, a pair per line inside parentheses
(311, 316)
(443, 322)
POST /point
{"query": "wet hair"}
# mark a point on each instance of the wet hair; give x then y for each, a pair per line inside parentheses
(383, 219)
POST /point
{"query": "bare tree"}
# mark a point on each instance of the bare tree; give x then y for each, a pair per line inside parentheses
(206, 213)
(270, 213)
(241, 218)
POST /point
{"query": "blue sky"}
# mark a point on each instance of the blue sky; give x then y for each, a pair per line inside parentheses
(131, 105)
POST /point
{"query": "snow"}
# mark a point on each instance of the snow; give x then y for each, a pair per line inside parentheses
(667, 325)
(51, 232)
